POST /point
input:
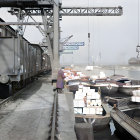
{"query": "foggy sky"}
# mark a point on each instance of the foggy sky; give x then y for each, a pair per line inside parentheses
(114, 38)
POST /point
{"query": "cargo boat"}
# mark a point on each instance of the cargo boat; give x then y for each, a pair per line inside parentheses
(98, 121)
(88, 108)
(127, 89)
(118, 101)
(73, 85)
(127, 121)
(125, 85)
(107, 87)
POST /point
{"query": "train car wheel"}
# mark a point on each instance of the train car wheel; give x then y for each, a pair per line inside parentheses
(10, 90)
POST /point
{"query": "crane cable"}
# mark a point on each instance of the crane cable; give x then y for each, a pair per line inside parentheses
(88, 38)
(138, 47)
(138, 22)
(88, 17)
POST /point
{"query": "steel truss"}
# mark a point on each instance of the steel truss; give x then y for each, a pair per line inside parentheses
(26, 3)
(76, 11)
(91, 11)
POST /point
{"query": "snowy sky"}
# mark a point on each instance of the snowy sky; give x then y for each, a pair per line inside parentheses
(114, 38)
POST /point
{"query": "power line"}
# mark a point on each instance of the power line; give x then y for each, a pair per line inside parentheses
(138, 47)
(138, 22)
(88, 39)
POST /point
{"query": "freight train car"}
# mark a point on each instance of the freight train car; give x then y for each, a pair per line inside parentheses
(20, 62)
(46, 63)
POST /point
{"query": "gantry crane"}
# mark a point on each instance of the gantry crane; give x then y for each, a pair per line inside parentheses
(62, 43)
(52, 12)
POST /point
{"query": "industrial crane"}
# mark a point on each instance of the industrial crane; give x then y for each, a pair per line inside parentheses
(62, 43)
(52, 12)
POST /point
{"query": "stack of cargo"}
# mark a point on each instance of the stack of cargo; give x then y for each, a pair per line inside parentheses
(72, 75)
(136, 96)
(89, 68)
(87, 101)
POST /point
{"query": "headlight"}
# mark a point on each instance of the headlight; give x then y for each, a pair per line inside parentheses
(4, 79)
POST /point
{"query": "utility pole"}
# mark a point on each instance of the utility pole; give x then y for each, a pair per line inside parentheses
(88, 48)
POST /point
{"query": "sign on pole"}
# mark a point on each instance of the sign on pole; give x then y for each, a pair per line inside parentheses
(66, 52)
(75, 44)
(70, 47)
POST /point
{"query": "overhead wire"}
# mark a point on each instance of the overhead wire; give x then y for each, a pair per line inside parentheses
(88, 17)
(138, 22)
(93, 24)
(88, 39)
(138, 47)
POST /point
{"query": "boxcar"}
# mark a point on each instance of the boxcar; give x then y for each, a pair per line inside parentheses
(20, 62)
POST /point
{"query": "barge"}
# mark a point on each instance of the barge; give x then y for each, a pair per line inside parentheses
(88, 108)
(97, 121)
(125, 85)
(127, 121)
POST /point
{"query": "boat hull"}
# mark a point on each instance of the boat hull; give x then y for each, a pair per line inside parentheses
(73, 88)
(128, 89)
(109, 91)
(98, 121)
(127, 121)
(122, 132)
(106, 89)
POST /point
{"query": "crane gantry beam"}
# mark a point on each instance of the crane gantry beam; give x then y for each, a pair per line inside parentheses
(91, 11)
(76, 11)
(26, 3)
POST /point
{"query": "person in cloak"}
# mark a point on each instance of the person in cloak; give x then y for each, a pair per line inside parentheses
(60, 80)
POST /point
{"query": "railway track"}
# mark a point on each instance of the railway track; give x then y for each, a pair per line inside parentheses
(3, 102)
(54, 114)
(36, 103)
(54, 119)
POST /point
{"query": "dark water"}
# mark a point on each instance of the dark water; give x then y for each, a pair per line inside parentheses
(107, 133)
(110, 133)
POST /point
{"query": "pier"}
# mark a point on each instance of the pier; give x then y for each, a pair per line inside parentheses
(28, 115)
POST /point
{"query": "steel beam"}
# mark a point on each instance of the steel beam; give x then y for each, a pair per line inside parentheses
(56, 37)
(47, 36)
(26, 3)
(38, 11)
(91, 11)
(78, 11)
(20, 23)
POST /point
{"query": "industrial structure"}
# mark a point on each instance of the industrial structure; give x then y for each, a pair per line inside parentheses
(37, 111)
(21, 61)
(51, 12)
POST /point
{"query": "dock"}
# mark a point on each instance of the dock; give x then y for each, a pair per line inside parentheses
(28, 115)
